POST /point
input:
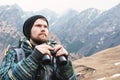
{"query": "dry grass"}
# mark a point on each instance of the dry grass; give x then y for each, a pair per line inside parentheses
(102, 65)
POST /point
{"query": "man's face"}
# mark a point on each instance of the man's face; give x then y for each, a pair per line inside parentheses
(39, 32)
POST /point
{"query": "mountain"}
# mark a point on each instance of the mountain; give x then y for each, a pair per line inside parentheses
(9, 35)
(103, 65)
(85, 32)
(11, 22)
(71, 28)
(89, 31)
(12, 14)
(103, 32)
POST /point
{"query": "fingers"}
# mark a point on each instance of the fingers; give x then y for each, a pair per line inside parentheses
(60, 50)
(44, 49)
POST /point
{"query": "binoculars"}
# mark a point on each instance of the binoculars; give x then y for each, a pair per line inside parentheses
(61, 60)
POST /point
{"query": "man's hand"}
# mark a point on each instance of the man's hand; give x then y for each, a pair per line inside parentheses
(60, 50)
(44, 49)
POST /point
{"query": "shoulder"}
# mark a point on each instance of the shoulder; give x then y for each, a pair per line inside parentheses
(9, 56)
(9, 52)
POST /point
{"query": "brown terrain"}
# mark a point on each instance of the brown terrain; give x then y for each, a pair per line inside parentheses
(104, 65)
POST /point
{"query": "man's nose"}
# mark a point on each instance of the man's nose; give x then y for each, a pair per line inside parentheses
(43, 28)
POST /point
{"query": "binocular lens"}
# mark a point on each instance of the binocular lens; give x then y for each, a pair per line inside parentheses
(46, 59)
(62, 60)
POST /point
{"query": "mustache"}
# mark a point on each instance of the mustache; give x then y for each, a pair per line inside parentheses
(43, 34)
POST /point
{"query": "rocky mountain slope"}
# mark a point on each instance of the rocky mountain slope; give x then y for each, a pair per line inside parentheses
(8, 35)
(104, 65)
(103, 32)
(85, 32)
(90, 30)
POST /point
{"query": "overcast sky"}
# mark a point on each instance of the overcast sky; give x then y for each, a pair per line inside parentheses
(60, 6)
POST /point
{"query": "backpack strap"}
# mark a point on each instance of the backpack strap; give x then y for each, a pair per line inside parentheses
(20, 54)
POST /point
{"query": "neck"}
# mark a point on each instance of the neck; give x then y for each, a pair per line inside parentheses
(33, 43)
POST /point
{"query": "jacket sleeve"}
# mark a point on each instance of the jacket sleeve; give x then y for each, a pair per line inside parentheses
(22, 70)
(66, 72)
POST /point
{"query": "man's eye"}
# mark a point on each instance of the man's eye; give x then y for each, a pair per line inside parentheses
(38, 25)
(46, 26)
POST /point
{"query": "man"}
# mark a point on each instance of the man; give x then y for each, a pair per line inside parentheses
(35, 48)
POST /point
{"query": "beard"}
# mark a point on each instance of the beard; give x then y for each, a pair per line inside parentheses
(39, 40)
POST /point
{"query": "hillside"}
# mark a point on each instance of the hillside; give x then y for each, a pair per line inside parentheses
(85, 32)
(104, 65)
